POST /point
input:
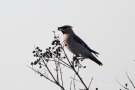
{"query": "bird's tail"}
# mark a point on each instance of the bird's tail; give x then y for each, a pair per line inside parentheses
(96, 61)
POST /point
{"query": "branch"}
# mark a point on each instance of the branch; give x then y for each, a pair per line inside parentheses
(130, 81)
(60, 73)
(70, 84)
(90, 82)
(49, 71)
(122, 85)
(47, 78)
(41, 74)
(60, 59)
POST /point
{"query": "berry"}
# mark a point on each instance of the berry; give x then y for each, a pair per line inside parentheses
(31, 63)
(37, 47)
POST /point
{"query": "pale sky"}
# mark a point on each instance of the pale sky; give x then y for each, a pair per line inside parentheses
(107, 26)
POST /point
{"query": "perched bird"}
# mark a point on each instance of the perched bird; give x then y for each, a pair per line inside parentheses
(76, 45)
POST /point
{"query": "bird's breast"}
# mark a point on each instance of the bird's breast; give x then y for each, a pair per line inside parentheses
(68, 41)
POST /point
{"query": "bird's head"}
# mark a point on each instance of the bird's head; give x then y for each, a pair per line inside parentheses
(65, 29)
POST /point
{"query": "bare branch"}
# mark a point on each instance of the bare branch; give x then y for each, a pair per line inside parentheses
(60, 71)
(47, 78)
(90, 82)
(41, 74)
(74, 82)
(57, 72)
(122, 85)
(130, 80)
(49, 71)
(70, 84)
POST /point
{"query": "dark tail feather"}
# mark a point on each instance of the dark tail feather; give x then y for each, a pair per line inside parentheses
(96, 53)
(96, 60)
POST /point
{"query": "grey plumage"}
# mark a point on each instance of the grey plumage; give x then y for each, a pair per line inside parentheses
(76, 45)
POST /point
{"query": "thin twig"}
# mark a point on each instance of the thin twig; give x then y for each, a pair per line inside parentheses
(41, 74)
(52, 75)
(75, 79)
(66, 55)
(70, 84)
(60, 73)
(122, 85)
(47, 78)
(74, 82)
(130, 80)
(80, 79)
(61, 63)
(90, 82)
(49, 71)
(60, 59)
(57, 74)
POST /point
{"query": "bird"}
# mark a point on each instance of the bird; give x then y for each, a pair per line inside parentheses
(76, 45)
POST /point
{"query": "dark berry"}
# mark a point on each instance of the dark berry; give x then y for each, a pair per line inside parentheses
(37, 47)
(35, 62)
(40, 50)
(31, 63)
(41, 75)
(126, 84)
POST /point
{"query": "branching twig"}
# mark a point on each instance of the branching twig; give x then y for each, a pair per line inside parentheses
(122, 85)
(49, 71)
(61, 60)
(60, 63)
(41, 74)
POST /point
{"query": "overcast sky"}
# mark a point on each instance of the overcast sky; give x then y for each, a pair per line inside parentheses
(107, 26)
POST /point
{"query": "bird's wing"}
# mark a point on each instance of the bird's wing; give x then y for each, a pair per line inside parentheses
(80, 41)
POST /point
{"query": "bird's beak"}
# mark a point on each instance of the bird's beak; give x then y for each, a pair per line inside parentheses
(60, 29)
